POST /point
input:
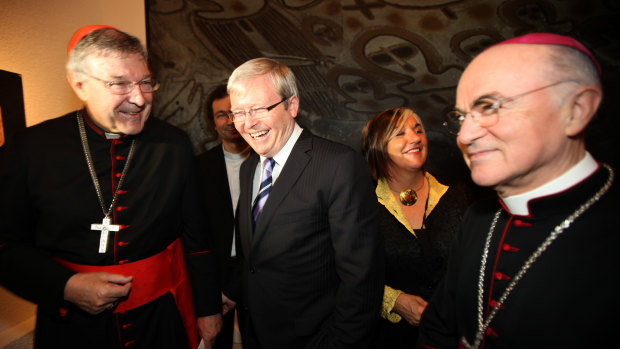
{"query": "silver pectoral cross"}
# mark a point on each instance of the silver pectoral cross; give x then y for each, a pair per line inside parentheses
(105, 228)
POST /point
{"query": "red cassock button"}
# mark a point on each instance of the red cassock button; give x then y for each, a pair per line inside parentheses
(509, 248)
(501, 276)
(490, 332)
(493, 304)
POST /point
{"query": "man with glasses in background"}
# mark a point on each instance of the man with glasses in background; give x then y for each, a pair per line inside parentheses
(218, 170)
(312, 254)
(99, 211)
(535, 267)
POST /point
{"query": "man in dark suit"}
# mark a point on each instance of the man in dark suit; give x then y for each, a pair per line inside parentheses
(312, 274)
(219, 182)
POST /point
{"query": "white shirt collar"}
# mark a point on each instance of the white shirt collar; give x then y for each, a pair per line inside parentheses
(518, 204)
(284, 153)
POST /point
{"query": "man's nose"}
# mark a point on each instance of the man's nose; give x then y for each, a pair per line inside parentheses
(469, 131)
(136, 96)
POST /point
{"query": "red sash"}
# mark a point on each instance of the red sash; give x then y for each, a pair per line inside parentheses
(152, 278)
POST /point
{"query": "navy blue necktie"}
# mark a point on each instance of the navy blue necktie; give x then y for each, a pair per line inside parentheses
(265, 188)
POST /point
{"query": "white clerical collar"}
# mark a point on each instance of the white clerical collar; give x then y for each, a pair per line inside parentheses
(110, 135)
(517, 204)
(283, 154)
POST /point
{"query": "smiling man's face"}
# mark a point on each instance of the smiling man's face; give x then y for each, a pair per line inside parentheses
(268, 134)
(115, 113)
(528, 146)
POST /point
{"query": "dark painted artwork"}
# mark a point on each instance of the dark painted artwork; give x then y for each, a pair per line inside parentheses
(355, 58)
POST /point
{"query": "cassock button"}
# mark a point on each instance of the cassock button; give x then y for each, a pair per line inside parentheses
(501, 276)
(493, 304)
(519, 223)
(508, 248)
(490, 332)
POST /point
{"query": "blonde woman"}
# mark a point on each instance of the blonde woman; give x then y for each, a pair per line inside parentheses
(419, 216)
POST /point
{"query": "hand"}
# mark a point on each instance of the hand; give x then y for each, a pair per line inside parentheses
(410, 307)
(209, 327)
(227, 304)
(96, 292)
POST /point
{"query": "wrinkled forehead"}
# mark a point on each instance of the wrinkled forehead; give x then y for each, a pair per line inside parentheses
(257, 89)
(504, 70)
(118, 65)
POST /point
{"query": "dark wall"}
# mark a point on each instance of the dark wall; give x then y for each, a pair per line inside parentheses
(354, 58)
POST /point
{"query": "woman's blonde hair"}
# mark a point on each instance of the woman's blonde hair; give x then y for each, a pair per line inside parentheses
(377, 133)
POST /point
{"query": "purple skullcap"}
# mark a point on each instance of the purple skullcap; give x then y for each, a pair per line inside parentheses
(552, 39)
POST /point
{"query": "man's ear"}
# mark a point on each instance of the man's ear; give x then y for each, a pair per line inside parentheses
(77, 85)
(583, 105)
(293, 105)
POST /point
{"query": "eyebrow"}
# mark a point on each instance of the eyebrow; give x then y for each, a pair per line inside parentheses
(121, 77)
(477, 101)
(487, 96)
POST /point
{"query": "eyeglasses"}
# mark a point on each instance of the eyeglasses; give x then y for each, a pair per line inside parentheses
(124, 87)
(222, 114)
(256, 112)
(485, 110)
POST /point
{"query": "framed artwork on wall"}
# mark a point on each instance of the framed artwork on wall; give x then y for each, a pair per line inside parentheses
(12, 116)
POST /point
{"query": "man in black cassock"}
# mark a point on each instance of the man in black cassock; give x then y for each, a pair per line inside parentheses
(101, 222)
(536, 268)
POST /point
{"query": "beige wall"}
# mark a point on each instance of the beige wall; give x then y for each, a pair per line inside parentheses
(33, 43)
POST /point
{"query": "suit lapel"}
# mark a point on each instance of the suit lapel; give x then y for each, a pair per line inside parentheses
(293, 168)
(245, 203)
